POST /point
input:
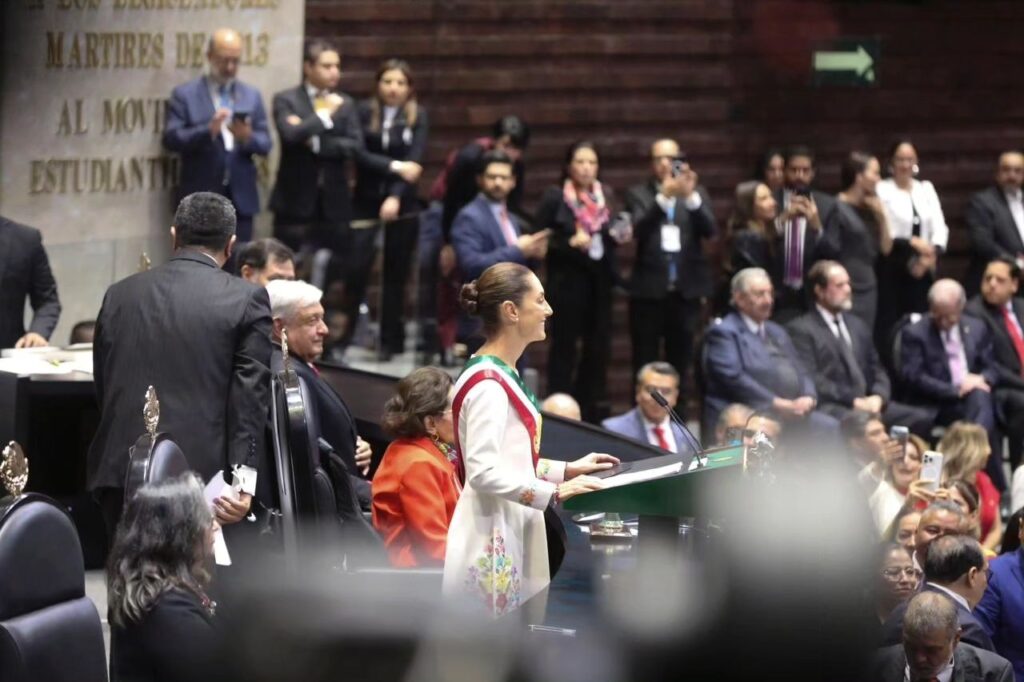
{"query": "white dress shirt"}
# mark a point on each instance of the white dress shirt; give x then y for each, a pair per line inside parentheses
(666, 430)
(322, 115)
(1017, 209)
(830, 320)
(214, 88)
(756, 328)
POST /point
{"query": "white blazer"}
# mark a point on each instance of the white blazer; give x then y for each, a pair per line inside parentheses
(899, 210)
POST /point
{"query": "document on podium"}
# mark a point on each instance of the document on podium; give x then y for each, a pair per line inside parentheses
(644, 475)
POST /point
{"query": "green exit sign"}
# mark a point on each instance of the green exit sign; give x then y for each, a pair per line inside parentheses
(847, 62)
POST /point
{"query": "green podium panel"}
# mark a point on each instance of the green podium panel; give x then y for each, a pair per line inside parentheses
(673, 495)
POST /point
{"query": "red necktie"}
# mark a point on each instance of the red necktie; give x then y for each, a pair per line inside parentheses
(659, 433)
(1018, 340)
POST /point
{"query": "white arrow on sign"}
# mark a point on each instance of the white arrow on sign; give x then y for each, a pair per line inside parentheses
(859, 62)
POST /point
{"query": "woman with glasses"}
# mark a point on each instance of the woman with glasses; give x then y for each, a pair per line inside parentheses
(415, 488)
(158, 572)
(896, 582)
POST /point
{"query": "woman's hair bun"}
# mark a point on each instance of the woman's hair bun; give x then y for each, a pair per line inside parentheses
(469, 298)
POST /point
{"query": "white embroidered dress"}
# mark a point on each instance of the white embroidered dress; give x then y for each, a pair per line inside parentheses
(497, 544)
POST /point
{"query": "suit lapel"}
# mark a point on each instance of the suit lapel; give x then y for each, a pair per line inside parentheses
(5, 246)
(303, 104)
(206, 99)
(492, 220)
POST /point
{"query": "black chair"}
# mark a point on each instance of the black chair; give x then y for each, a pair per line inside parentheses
(49, 629)
(153, 459)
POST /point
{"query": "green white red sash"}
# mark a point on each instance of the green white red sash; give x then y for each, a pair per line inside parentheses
(523, 401)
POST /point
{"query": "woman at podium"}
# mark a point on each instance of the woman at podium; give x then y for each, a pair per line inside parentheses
(497, 548)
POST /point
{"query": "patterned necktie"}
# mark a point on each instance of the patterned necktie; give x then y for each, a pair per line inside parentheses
(956, 364)
(794, 254)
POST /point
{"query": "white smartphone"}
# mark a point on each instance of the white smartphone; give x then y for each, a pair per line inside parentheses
(931, 468)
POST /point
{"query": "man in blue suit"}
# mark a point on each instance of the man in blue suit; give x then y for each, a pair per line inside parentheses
(217, 124)
(649, 422)
(1001, 609)
(946, 364)
(751, 360)
(484, 232)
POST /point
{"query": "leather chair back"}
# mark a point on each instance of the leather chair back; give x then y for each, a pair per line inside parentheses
(49, 629)
(152, 460)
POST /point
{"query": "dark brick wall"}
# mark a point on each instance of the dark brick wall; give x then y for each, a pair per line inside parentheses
(726, 77)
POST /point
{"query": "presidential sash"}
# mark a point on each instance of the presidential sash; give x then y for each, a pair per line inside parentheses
(523, 401)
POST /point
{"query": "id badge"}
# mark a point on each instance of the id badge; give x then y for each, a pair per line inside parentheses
(671, 239)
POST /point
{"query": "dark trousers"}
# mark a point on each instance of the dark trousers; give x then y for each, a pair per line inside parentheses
(431, 239)
(674, 319)
(580, 334)
(1010, 402)
(360, 254)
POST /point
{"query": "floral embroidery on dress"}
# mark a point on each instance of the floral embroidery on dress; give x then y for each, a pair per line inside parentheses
(495, 578)
(527, 496)
(543, 468)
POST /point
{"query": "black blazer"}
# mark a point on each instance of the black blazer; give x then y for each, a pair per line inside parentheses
(554, 213)
(819, 351)
(852, 242)
(924, 367)
(301, 173)
(201, 338)
(334, 422)
(25, 271)
(1007, 363)
(650, 271)
(175, 641)
(374, 182)
(970, 664)
(971, 631)
(992, 232)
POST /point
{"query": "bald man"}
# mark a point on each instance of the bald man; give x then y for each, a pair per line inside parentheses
(218, 124)
(995, 218)
(946, 364)
(563, 405)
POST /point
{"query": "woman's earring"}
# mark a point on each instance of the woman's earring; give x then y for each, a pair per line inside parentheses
(915, 169)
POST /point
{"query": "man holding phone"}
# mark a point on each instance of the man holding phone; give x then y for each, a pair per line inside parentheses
(806, 215)
(218, 124)
(672, 219)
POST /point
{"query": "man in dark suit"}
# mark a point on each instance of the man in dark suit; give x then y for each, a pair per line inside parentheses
(956, 568)
(25, 271)
(946, 364)
(217, 124)
(485, 232)
(1003, 313)
(264, 260)
(837, 350)
(201, 338)
(806, 216)
(649, 422)
(672, 218)
(320, 133)
(296, 308)
(995, 218)
(931, 649)
(751, 360)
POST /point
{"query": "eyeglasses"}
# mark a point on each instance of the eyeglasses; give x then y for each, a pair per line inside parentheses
(894, 573)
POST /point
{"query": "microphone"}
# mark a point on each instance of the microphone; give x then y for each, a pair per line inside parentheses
(660, 399)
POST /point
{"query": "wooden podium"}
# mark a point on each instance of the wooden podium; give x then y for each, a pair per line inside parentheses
(663, 501)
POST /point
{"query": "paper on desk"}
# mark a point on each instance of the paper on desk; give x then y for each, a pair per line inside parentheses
(218, 487)
(28, 365)
(645, 475)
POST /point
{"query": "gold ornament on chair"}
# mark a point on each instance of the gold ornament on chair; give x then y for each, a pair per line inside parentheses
(151, 412)
(284, 348)
(14, 469)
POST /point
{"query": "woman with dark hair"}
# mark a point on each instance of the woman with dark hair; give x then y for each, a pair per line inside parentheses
(161, 619)
(395, 133)
(497, 545)
(919, 233)
(750, 237)
(897, 580)
(770, 169)
(863, 232)
(1011, 538)
(581, 272)
(415, 488)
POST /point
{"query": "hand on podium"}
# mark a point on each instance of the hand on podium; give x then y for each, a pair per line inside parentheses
(580, 484)
(595, 461)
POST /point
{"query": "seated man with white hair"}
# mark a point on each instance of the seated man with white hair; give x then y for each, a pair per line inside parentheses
(295, 306)
(946, 364)
(751, 360)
